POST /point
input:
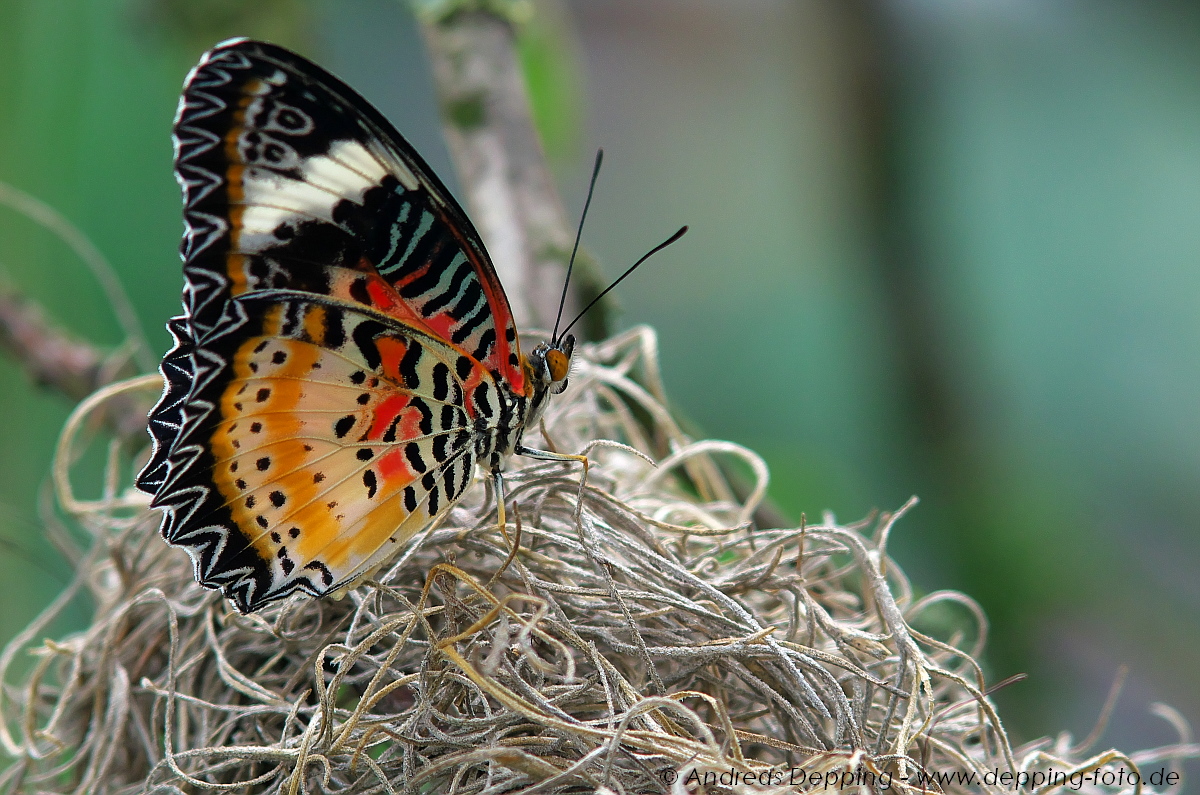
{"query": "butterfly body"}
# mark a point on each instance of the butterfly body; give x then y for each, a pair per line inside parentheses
(346, 357)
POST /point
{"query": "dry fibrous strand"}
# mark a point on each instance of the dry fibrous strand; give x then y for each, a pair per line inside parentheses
(613, 630)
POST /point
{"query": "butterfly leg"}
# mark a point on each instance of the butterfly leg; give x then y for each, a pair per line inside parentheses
(498, 484)
(529, 452)
(543, 455)
(546, 455)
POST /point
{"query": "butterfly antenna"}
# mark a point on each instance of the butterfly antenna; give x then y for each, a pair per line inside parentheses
(578, 234)
(621, 278)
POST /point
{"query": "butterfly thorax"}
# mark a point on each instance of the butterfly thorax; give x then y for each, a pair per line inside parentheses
(545, 369)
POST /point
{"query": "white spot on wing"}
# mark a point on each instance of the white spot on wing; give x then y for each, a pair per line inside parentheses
(273, 199)
(347, 171)
(353, 155)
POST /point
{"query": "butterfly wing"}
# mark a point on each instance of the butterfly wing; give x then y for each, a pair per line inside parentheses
(301, 201)
(323, 437)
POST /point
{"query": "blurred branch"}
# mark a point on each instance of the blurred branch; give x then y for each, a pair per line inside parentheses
(510, 191)
(56, 359)
(50, 355)
(51, 219)
(490, 132)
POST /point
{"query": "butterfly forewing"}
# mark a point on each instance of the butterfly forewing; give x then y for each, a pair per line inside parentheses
(346, 353)
(292, 180)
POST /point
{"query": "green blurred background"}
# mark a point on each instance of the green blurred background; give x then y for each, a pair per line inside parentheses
(939, 247)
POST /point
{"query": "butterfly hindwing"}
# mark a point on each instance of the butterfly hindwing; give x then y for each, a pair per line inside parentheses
(332, 435)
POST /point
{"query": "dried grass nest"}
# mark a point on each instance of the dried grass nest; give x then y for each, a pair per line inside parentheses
(635, 635)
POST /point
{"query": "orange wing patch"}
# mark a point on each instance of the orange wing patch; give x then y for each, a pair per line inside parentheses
(326, 464)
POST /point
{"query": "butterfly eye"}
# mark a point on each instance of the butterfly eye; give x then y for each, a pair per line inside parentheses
(558, 364)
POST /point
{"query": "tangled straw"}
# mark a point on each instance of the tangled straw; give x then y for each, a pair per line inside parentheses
(634, 633)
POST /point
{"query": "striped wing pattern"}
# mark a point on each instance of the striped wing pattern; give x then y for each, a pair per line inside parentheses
(346, 353)
(292, 180)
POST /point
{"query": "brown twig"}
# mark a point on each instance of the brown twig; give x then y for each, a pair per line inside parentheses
(53, 357)
(629, 635)
(56, 359)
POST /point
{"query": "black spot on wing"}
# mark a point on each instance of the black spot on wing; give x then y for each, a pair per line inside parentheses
(463, 367)
(408, 365)
(441, 381)
(390, 434)
(335, 327)
(326, 575)
(291, 310)
(426, 422)
(480, 397)
(466, 478)
(344, 425)
(358, 291)
(412, 451)
(364, 338)
(450, 482)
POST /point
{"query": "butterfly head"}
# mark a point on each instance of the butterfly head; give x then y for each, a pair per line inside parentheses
(551, 364)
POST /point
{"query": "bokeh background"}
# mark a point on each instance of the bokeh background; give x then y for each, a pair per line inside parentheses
(939, 247)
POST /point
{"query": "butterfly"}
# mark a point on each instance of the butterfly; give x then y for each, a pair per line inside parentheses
(346, 356)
